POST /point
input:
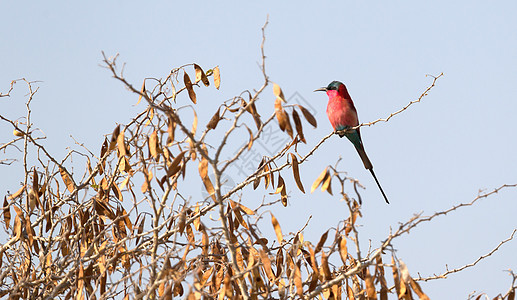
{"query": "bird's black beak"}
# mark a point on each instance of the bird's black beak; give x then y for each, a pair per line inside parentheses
(320, 90)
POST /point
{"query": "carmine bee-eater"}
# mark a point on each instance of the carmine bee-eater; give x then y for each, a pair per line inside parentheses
(342, 116)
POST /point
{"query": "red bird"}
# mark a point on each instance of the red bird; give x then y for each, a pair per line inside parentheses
(343, 115)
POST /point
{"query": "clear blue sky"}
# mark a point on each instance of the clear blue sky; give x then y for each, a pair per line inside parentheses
(438, 153)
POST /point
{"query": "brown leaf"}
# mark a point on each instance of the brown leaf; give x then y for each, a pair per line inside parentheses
(326, 184)
(349, 291)
(284, 197)
(124, 165)
(278, 230)
(308, 116)
(173, 91)
(314, 283)
(418, 290)
(175, 164)
(217, 77)
(320, 244)
(277, 91)
(313, 261)
(154, 147)
(200, 75)
(104, 150)
(379, 271)
(17, 227)
(250, 143)
(396, 278)
(267, 265)
(279, 262)
(66, 179)
(103, 209)
(298, 126)
(142, 90)
(267, 178)
(116, 190)
(145, 185)
(197, 221)
(35, 180)
(370, 287)
(203, 168)
(325, 266)
(256, 182)
(318, 180)
(298, 281)
(171, 127)
(281, 184)
(190, 89)
(114, 136)
(343, 251)
(239, 217)
(246, 210)
(17, 193)
(214, 120)
(178, 289)
(296, 172)
(121, 145)
(209, 187)
(194, 123)
(7, 213)
(280, 114)
(288, 127)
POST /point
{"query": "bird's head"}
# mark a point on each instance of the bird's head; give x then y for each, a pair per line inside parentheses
(335, 87)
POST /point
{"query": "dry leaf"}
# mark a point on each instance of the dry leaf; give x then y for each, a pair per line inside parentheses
(209, 187)
(370, 287)
(281, 184)
(203, 168)
(267, 265)
(66, 179)
(154, 146)
(217, 77)
(188, 86)
(296, 172)
(278, 92)
(171, 127)
(200, 75)
(320, 244)
(325, 266)
(214, 120)
(114, 136)
(121, 145)
(142, 90)
(318, 180)
(298, 281)
(175, 165)
(18, 193)
(278, 230)
(250, 143)
(308, 116)
(326, 184)
(194, 123)
(343, 251)
(7, 213)
(298, 126)
(418, 290)
(396, 278)
(35, 180)
(280, 114)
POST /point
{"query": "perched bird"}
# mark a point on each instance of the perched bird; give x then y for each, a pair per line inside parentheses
(343, 116)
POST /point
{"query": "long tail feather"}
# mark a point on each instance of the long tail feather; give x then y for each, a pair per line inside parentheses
(379, 185)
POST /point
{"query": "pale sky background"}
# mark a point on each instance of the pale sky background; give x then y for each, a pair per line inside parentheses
(439, 153)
